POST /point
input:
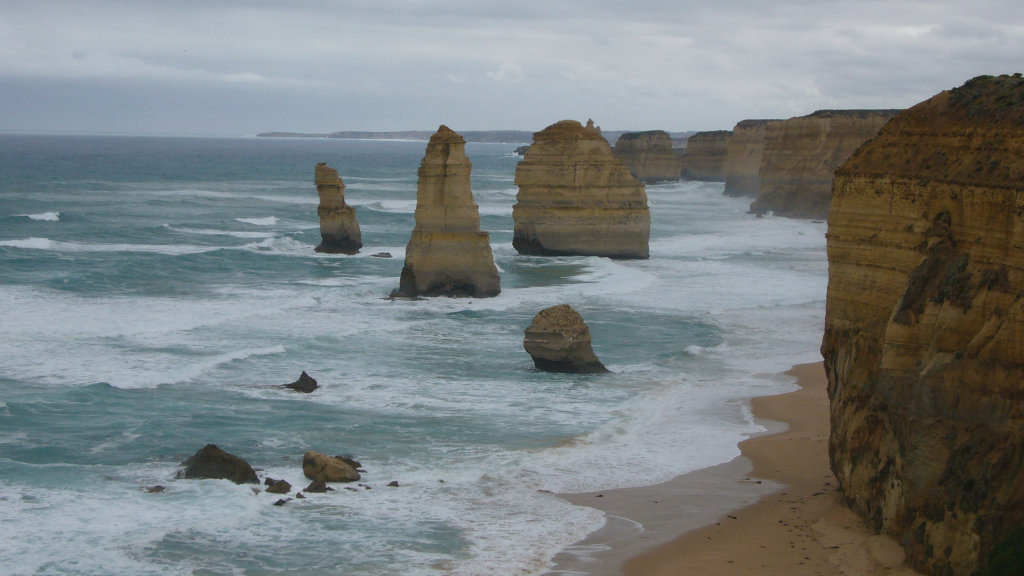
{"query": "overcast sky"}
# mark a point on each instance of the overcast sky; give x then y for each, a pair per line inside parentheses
(238, 67)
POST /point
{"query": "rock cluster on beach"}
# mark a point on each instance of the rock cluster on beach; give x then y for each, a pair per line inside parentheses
(576, 198)
(559, 341)
(925, 324)
(339, 230)
(447, 254)
(801, 154)
(649, 155)
(704, 158)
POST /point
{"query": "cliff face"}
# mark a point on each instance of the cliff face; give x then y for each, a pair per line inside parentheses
(576, 198)
(339, 230)
(801, 154)
(704, 157)
(649, 155)
(743, 158)
(447, 254)
(924, 330)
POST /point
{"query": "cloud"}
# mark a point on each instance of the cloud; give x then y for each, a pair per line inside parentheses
(507, 72)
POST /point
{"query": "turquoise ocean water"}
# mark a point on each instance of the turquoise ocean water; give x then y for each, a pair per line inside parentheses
(155, 292)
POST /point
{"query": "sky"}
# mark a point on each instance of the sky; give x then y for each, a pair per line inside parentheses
(235, 67)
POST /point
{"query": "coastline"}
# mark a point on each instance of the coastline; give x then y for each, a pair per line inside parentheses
(774, 509)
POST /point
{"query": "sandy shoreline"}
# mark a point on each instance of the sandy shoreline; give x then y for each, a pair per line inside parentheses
(773, 510)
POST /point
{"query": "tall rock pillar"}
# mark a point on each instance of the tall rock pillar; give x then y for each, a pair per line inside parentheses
(447, 254)
(339, 231)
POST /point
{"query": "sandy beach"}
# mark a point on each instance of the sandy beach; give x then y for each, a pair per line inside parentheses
(773, 510)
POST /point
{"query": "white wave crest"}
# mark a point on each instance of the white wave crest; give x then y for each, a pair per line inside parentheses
(268, 221)
(57, 246)
(43, 216)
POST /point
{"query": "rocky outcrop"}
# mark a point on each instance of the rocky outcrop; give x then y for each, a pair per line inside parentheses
(801, 154)
(924, 329)
(743, 158)
(559, 341)
(447, 254)
(323, 468)
(576, 198)
(339, 231)
(304, 384)
(704, 157)
(212, 462)
(649, 155)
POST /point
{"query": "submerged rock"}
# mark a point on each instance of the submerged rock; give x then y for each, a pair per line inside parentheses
(212, 462)
(317, 466)
(305, 384)
(576, 198)
(559, 341)
(339, 230)
(447, 254)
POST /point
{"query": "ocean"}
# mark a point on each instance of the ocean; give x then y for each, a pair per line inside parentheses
(156, 292)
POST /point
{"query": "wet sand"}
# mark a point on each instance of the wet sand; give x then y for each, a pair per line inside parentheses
(773, 510)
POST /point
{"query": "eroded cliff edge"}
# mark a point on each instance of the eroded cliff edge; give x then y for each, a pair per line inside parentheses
(924, 328)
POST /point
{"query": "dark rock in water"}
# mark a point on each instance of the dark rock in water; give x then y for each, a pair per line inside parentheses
(559, 341)
(300, 496)
(317, 466)
(268, 481)
(280, 487)
(155, 489)
(381, 255)
(393, 483)
(317, 487)
(282, 501)
(305, 384)
(212, 462)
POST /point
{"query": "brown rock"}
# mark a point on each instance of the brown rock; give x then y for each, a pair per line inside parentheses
(743, 158)
(339, 230)
(212, 462)
(649, 155)
(925, 324)
(801, 154)
(317, 466)
(279, 487)
(447, 254)
(704, 157)
(576, 198)
(559, 341)
(155, 489)
(317, 487)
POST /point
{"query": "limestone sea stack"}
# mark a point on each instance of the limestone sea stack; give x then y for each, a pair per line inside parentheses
(924, 329)
(339, 231)
(576, 198)
(649, 155)
(704, 157)
(801, 154)
(743, 158)
(559, 341)
(447, 254)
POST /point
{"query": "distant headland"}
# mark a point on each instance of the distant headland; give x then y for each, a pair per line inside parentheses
(490, 136)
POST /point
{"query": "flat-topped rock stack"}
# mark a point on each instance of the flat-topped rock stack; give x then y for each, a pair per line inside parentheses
(339, 230)
(704, 157)
(924, 329)
(576, 198)
(649, 155)
(743, 158)
(801, 154)
(447, 254)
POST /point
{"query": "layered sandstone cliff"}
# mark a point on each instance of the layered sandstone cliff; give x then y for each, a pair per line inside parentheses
(704, 158)
(649, 155)
(575, 197)
(743, 158)
(339, 230)
(801, 154)
(924, 334)
(447, 254)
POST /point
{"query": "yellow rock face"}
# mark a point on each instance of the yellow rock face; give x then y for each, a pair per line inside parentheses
(743, 158)
(575, 198)
(649, 156)
(339, 230)
(704, 158)
(924, 332)
(447, 254)
(801, 154)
